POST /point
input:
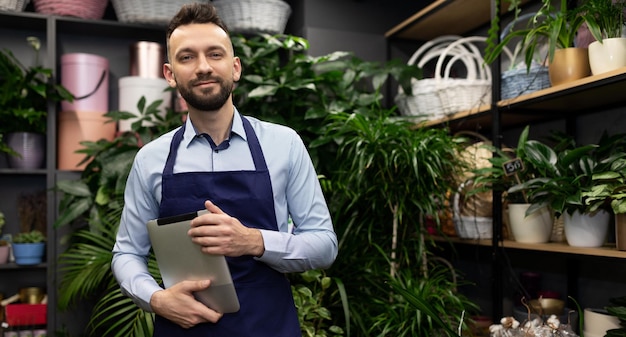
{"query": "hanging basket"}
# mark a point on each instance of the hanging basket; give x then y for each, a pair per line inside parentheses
(153, 12)
(85, 9)
(13, 5)
(254, 16)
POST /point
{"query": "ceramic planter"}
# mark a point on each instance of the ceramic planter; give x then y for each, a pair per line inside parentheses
(28, 253)
(31, 147)
(4, 254)
(586, 230)
(569, 64)
(608, 55)
(534, 228)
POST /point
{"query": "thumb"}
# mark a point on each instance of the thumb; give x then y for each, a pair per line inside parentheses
(198, 285)
(210, 206)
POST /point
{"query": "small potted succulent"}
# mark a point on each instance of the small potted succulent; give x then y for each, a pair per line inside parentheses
(29, 247)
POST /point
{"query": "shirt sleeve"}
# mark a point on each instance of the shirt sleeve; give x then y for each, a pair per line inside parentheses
(313, 243)
(132, 246)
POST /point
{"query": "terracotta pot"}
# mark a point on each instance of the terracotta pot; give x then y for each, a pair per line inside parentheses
(608, 55)
(569, 64)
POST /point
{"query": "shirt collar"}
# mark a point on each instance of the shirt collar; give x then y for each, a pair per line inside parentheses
(236, 130)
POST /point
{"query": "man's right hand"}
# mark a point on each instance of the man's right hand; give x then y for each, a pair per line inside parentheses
(178, 304)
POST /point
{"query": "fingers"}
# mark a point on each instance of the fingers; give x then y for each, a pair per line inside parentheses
(178, 304)
(212, 208)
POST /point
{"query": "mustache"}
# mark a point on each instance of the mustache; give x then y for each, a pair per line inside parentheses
(205, 79)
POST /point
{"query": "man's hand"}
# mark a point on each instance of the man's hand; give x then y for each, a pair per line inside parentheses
(178, 305)
(219, 233)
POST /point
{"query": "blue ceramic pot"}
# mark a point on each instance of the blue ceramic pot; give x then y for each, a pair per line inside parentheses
(28, 253)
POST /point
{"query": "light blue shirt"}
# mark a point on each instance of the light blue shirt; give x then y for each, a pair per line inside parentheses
(310, 244)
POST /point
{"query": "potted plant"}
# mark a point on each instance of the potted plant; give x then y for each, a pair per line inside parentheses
(567, 190)
(610, 188)
(605, 21)
(510, 170)
(557, 28)
(24, 96)
(28, 247)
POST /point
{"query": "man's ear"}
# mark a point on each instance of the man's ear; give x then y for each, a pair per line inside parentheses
(169, 75)
(237, 69)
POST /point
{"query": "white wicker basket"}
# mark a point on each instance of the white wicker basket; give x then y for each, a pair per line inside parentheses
(520, 81)
(13, 5)
(254, 16)
(443, 94)
(154, 12)
(472, 91)
(424, 101)
(470, 227)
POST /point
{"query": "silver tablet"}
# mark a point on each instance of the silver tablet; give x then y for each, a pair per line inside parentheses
(180, 259)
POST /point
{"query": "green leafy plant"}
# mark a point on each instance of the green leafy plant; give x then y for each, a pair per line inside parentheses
(604, 18)
(33, 236)
(556, 27)
(309, 291)
(24, 95)
(617, 308)
(571, 181)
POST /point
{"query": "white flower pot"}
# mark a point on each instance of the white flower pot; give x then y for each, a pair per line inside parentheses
(534, 228)
(608, 55)
(586, 230)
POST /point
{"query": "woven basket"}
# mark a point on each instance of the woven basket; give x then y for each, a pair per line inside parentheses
(254, 16)
(470, 227)
(443, 94)
(13, 5)
(472, 91)
(424, 101)
(153, 12)
(516, 82)
(85, 9)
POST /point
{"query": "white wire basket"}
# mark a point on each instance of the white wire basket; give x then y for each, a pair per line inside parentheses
(254, 16)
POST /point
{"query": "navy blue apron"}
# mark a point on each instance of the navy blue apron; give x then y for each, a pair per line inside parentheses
(267, 307)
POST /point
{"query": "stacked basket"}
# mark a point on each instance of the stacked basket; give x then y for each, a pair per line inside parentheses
(13, 5)
(153, 12)
(85, 9)
(254, 16)
(445, 94)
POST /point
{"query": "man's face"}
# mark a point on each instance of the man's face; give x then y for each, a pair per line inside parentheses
(202, 65)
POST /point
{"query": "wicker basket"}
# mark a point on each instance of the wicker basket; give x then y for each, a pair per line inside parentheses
(424, 102)
(469, 226)
(85, 9)
(153, 12)
(254, 16)
(13, 5)
(516, 82)
(444, 94)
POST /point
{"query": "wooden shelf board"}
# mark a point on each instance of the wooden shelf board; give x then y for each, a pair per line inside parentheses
(577, 97)
(555, 247)
(445, 17)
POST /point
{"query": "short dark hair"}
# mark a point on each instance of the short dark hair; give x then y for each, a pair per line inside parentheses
(194, 13)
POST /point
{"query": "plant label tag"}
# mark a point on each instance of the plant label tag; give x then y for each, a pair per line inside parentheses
(513, 166)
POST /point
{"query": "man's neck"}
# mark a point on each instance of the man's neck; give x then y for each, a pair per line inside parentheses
(217, 124)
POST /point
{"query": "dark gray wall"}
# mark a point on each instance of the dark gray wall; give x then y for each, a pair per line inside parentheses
(349, 25)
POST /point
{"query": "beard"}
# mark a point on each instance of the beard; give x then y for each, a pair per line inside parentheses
(207, 101)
